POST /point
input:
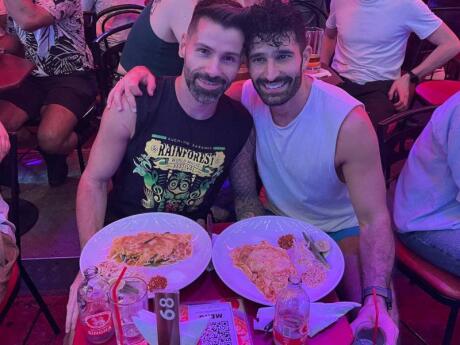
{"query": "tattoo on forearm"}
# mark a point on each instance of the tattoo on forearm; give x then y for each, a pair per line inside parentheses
(243, 179)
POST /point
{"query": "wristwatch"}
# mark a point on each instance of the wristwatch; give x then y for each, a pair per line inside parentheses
(414, 79)
(380, 291)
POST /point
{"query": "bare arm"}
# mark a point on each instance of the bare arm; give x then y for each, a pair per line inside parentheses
(243, 181)
(328, 45)
(28, 15)
(106, 154)
(358, 156)
(235, 90)
(447, 46)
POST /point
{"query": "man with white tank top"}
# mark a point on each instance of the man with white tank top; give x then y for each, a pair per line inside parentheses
(317, 155)
(318, 158)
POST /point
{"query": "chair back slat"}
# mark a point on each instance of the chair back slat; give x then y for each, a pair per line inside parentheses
(398, 133)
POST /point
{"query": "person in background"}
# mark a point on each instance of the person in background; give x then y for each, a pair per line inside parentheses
(317, 156)
(62, 85)
(174, 153)
(370, 63)
(99, 5)
(154, 39)
(427, 197)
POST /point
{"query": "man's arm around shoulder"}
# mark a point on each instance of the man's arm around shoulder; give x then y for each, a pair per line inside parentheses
(243, 181)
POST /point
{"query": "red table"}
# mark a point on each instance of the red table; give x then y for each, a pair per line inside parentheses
(209, 287)
(13, 71)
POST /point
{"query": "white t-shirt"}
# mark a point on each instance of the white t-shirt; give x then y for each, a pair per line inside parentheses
(427, 194)
(297, 162)
(372, 35)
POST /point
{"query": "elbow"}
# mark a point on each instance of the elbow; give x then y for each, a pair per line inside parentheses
(452, 48)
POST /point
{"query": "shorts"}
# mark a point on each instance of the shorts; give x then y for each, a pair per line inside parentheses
(344, 233)
(336, 235)
(74, 92)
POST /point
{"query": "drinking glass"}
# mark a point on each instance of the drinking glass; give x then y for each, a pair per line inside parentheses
(314, 37)
(131, 298)
(365, 336)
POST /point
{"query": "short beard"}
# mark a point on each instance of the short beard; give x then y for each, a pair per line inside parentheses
(282, 98)
(202, 95)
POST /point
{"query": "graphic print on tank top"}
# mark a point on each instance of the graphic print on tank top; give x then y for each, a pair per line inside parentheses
(177, 174)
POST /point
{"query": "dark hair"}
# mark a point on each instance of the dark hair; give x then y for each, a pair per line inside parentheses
(274, 22)
(227, 13)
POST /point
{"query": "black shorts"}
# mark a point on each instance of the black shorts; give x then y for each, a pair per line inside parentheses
(74, 92)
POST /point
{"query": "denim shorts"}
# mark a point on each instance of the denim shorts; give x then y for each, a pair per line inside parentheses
(440, 247)
(344, 233)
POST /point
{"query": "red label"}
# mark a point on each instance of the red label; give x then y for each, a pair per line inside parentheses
(282, 340)
(98, 324)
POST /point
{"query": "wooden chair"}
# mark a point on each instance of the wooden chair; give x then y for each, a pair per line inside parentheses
(108, 59)
(401, 131)
(397, 134)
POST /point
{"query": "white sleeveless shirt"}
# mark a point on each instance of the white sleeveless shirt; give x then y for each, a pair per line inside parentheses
(296, 162)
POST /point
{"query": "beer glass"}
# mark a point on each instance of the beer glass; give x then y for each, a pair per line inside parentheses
(314, 37)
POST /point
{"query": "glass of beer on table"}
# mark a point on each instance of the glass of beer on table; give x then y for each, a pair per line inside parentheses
(314, 39)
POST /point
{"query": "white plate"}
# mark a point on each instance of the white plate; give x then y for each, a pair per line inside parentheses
(270, 228)
(179, 274)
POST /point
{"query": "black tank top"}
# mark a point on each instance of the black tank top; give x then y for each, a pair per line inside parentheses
(175, 163)
(144, 48)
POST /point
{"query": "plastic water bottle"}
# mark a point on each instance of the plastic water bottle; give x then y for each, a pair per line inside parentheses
(292, 310)
(93, 302)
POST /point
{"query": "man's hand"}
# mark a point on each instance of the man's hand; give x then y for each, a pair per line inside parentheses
(129, 87)
(72, 306)
(400, 88)
(366, 316)
(4, 142)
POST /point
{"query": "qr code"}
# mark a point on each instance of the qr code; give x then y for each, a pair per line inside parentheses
(217, 333)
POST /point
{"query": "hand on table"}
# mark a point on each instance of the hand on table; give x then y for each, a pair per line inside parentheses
(400, 88)
(72, 305)
(128, 86)
(366, 316)
(4, 142)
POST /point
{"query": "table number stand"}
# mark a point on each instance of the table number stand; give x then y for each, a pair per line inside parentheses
(167, 314)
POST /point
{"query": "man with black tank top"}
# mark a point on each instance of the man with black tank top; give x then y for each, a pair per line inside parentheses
(174, 153)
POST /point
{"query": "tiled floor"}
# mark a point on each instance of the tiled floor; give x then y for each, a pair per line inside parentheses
(52, 249)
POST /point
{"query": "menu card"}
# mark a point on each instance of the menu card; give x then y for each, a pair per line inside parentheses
(228, 324)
